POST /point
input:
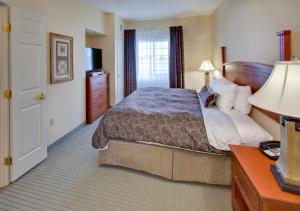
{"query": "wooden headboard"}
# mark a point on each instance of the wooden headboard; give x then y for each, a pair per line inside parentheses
(248, 74)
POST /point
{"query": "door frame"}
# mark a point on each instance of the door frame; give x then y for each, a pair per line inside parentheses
(4, 103)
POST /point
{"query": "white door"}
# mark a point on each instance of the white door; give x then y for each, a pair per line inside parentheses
(120, 70)
(28, 124)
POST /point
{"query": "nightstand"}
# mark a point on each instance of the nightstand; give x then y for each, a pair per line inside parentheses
(254, 187)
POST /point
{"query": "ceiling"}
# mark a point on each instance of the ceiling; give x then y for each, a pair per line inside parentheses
(157, 9)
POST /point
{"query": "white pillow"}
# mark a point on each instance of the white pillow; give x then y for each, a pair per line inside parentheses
(241, 101)
(226, 94)
(251, 133)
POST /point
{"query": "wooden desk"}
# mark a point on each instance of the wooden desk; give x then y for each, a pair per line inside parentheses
(254, 187)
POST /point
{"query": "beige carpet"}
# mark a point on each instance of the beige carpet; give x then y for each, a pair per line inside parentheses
(71, 180)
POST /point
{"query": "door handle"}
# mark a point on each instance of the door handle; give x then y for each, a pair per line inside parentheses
(41, 96)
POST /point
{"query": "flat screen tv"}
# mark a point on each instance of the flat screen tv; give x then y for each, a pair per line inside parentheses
(93, 59)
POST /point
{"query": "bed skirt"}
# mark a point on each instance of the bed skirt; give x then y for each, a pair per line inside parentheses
(174, 164)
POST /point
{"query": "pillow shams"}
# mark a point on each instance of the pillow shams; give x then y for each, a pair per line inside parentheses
(226, 94)
(242, 93)
(241, 102)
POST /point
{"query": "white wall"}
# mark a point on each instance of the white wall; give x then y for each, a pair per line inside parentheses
(113, 54)
(108, 46)
(197, 43)
(66, 101)
(248, 28)
(295, 40)
(119, 58)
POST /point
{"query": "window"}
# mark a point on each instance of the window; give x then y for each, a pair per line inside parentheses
(152, 58)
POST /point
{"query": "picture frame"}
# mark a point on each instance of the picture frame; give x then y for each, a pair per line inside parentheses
(61, 58)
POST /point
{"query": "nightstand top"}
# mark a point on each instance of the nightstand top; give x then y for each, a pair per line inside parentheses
(257, 168)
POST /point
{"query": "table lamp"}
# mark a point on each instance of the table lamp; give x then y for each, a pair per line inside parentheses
(281, 94)
(206, 67)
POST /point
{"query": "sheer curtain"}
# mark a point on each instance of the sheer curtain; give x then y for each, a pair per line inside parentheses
(152, 57)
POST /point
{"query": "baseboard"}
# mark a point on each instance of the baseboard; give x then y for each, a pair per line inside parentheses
(66, 137)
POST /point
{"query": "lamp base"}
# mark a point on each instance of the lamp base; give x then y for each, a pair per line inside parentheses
(284, 186)
(206, 78)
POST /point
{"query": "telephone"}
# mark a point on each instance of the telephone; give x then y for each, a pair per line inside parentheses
(271, 149)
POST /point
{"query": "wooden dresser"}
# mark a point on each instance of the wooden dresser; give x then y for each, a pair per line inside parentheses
(97, 96)
(254, 187)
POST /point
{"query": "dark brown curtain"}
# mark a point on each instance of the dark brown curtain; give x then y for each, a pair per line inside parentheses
(129, 62)
(176, 62)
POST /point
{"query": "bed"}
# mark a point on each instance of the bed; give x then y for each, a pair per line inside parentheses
(185, 160)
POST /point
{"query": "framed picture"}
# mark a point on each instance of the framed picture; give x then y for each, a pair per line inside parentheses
(61, 58)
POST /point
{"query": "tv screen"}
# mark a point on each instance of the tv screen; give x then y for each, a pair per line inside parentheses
(93, 59)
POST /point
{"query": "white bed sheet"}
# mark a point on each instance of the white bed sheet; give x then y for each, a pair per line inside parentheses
(233, 128)
(250, 131)
(220, 128)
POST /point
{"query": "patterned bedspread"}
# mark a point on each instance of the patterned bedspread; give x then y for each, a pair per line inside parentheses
(170, 117)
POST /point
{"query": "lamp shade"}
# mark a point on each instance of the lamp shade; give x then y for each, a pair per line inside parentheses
(206, 66)
(281, 93)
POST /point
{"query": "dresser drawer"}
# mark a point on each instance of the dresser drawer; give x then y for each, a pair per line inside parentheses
(98, 83)
(99, 103)
(244, 187)
(99, 94)
(100, 108)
